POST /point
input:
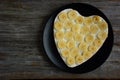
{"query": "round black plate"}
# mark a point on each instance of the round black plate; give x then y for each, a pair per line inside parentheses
(94, 62)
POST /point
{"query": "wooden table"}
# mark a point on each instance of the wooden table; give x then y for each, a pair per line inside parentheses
(21, 52)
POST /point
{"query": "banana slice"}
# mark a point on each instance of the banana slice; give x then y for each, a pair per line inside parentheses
(72, 14)
(89, 38)
(59, 35)
(68, 24)
(74, 52)
(58, 25)
(94, 29)
(102, 35)
(83, 46)
(79, 20)
(87, 55)
(92, 48)
(65, 53)
(69, 35)
(96, 19)
(103, 25)
(79, 37)
(70, 44)
(79, 59)
(97, 42)
(84, 30)
(61, 44)
(62, 16)
(88, 21)
(76, 28)
(70, 61)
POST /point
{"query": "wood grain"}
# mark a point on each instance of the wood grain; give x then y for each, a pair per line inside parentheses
(21, 51)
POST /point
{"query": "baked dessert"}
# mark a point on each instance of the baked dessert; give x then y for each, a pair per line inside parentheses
(78, 38)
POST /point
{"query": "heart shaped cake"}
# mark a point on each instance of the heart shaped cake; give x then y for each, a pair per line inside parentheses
(77, 37)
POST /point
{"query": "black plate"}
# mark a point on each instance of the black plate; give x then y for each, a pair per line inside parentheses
(94, 62)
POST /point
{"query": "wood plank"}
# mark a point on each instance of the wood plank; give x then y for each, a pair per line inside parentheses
(21, 52)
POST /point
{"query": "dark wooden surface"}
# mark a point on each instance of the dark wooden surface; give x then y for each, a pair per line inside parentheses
(21, 52)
